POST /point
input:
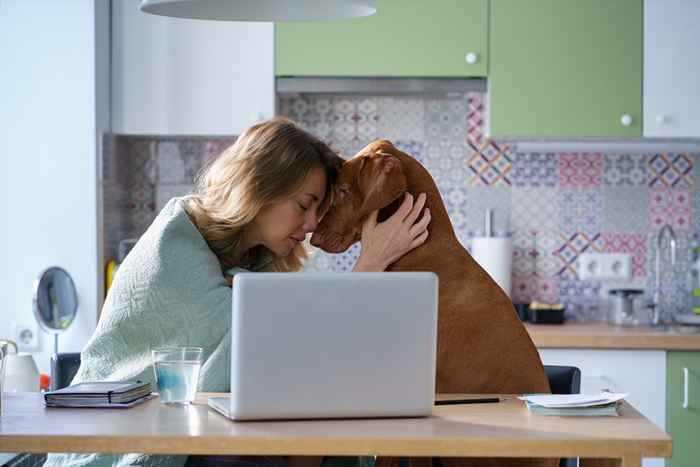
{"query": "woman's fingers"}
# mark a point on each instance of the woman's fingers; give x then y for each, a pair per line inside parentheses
(421, 225)
(371, 220)
(416, 210)
(419, 240)
(405, 207)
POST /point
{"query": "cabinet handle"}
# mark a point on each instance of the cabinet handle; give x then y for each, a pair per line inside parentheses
(626, 119)
(471, 58)
(685, 387)
(661, 119)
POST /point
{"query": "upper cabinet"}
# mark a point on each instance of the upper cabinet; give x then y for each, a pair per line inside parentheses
(671, 68)
(565, 68)
(406, 38)
(180, 77)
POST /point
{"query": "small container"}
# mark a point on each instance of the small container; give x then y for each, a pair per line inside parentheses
(547, 315)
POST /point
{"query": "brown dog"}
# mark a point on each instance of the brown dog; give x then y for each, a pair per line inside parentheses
(482, 345)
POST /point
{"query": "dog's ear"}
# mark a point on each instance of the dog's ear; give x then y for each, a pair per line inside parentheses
(384, 181)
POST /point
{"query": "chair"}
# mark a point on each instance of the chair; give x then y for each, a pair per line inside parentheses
(564, 380)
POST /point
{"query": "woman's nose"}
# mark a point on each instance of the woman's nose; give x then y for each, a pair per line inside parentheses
(311, 221)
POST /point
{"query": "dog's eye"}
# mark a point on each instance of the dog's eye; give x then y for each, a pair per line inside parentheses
(343, 191)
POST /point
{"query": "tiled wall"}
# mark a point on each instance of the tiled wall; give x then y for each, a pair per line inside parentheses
(557, 205)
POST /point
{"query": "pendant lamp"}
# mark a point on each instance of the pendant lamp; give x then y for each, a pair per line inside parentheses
(261, 10)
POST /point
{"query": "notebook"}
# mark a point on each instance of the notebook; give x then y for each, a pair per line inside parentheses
(325, 345)
(99, 394)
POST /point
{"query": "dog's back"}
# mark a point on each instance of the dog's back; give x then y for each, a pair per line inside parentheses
(482, 345)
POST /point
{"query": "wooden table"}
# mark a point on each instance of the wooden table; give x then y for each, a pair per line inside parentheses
(504, 429)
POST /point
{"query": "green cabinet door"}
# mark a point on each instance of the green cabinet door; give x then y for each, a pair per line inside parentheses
(565, 68)
(683, 407)
(405, 38)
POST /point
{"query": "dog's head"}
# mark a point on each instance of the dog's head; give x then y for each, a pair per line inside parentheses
(371, 180)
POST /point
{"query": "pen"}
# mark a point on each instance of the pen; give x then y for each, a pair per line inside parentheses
(484, 400)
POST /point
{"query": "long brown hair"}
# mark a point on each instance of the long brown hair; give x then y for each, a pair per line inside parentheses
(267, 163)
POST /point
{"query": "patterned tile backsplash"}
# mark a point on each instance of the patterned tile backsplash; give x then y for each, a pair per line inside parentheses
(556, 205)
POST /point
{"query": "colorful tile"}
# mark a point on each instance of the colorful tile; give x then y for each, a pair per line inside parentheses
(401, 118)
(531, 287)
(625, 209)
(490, 164)
(582, 299)
(446, 161)
(533, 253)
(475, 118)
(625, 170)
(534, 169)
(580, 210)
(670, 170)
(633, 243)
(313, 113)
(580, 170)
(534, 208)
(446, 118)
(354, 123)
(415, 149)
(671, 206)
(571, 246)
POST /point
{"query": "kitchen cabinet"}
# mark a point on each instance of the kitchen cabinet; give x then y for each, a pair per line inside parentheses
(406, 38)
(174, 76)
(641, 373)
(565, 68)
(671, 68)
(683, 406)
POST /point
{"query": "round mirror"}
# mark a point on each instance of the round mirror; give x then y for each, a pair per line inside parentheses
(55, 300)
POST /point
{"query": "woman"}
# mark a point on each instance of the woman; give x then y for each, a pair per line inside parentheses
(252, 210)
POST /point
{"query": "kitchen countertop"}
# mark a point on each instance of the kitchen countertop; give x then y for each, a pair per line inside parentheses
(605, 336)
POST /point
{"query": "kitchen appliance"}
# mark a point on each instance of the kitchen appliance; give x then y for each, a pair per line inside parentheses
(624, 304)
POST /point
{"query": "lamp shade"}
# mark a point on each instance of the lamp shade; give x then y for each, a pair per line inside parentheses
(261, 10)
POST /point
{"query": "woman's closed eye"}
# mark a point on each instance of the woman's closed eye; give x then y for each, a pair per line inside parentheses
(303, 208)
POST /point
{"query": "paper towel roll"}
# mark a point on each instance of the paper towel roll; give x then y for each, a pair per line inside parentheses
(495, 255)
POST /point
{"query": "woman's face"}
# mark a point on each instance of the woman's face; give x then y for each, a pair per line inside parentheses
(283, 225)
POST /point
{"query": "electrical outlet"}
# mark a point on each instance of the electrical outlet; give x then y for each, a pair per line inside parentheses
(27, 337)
(605, 266)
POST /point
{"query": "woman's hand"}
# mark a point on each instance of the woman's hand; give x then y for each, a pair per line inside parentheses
(386, 242)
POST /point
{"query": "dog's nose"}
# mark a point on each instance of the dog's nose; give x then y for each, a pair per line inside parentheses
(316, 239)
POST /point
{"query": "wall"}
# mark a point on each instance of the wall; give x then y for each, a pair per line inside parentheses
(556, 204)
(49, 120)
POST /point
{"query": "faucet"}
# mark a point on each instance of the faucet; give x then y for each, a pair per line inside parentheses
(656, 298)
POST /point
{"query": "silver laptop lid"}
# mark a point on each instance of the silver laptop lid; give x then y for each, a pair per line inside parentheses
(316, 345)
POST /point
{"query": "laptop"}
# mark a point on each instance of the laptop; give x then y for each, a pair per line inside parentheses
(332, 345)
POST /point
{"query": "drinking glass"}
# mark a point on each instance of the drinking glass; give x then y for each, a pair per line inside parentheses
(177, 373)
